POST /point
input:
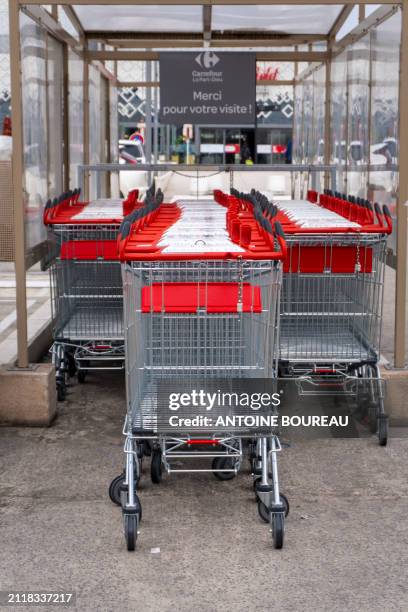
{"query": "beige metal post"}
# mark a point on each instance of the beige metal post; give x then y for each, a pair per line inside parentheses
(402, 206)
(18, 196)
(65, 93)
(86, 125)
(327, 120)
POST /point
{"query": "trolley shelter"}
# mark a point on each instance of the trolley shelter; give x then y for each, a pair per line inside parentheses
(208, 273)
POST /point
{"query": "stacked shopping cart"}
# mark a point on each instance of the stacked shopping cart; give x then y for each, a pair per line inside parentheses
(201, 301)
(190, 293)
(331, 305)
(86, 284)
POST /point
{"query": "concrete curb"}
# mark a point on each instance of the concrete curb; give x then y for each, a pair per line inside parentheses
(28, 397)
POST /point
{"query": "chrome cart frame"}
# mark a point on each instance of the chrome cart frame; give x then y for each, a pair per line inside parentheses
(197, 344)
(87, 301)
(331, 319)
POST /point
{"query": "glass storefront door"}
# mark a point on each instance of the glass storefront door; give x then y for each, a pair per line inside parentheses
(211, 145)
(274, 145)
(215, 145)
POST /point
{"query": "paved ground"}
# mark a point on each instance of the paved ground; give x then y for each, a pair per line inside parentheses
(346, 542)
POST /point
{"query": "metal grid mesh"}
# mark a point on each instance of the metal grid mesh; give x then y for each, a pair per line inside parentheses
(194, 346)
(87, 293)
(329, 316)
(87, 300)
(67, 232)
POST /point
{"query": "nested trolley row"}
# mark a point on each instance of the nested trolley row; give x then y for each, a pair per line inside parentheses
(332, 295)
(199, 293)
(199, 305)
(87, 296)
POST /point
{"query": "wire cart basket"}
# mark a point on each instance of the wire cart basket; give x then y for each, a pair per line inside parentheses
(332, 295)
(86, 285)
(201, 303)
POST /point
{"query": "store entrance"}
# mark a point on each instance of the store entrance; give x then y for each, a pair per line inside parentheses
(248, 147)
(239, 145)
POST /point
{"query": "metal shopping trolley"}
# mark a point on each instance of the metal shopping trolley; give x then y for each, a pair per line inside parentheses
(332, 294)
(86, 285)
(201, 302)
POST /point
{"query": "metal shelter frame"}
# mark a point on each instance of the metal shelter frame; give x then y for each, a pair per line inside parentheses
(133, 45)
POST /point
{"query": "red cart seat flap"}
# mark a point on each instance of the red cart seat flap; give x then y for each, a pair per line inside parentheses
(336, 259)
(189, 297)
(89, 249)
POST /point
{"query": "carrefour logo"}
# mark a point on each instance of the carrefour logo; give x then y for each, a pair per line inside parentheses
(207, 59)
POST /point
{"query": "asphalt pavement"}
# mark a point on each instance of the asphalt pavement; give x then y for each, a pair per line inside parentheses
(202, 545)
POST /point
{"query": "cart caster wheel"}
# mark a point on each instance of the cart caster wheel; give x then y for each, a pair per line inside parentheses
(255, 483)
(264, 511)
(81, 376)
(372, 425)
(114, 489)
(223, 463)
(147, 449)
(61, 391)
(140, 450)
(252, 455)
(382, 430)
(257, 480)
(278, 529)
(156, 467)
(71, 367)
(370, 418)
(130, 521)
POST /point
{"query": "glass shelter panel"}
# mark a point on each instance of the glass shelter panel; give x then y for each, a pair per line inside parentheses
(34, 92)
(358, 78)
(383, 185)
(75, 117)
(338, 119)
(55, 111)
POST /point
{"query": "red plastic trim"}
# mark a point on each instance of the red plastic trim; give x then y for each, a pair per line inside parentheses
(141, 244)
(89, 250)
(211, 442)
(189, 297)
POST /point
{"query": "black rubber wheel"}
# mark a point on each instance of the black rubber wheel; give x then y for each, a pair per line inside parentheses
(71, 366)
(147, 449)
(278, 529)
(81, 376)
(382, 431)
(372, 423)
(370, 416)
(264, 512)
(285, 502)
(156, 467)
(114, 489)
(255, 482)
(252, 455)
(130, 525)
(254, 465)
(223, 463)
(61, 391)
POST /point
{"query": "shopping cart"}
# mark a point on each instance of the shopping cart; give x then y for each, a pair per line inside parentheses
(86, 285)
(201, 302)
(332, 294)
